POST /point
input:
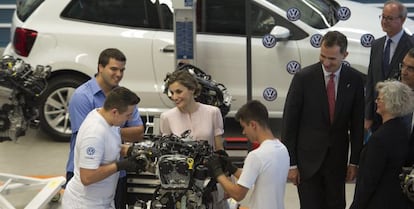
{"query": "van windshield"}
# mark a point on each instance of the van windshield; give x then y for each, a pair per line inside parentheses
(318, 14)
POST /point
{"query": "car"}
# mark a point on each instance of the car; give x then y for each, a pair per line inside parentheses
(68, 35)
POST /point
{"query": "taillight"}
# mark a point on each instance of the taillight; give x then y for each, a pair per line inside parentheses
(23, 41)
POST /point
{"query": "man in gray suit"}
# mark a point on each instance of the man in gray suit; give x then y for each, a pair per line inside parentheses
(392, 19)
(317, 134)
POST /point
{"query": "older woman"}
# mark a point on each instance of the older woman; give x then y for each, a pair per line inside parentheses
(378, 185)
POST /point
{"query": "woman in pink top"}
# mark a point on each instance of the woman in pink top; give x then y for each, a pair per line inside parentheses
(204, 121)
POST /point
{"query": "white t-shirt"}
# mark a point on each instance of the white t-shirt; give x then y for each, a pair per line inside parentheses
(97, 144)
(265, 170)
(205, 123)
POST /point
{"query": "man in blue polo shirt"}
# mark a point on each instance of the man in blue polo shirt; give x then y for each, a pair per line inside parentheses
(91, 95)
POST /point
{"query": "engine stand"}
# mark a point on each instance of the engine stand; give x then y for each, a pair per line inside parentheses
(47, 189)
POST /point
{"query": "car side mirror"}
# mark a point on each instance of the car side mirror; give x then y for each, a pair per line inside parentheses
(281, 33)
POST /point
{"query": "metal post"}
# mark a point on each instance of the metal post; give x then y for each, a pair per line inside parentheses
(248, 51)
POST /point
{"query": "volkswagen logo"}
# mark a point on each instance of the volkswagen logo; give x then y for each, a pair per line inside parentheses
(270, 94)
(343, 13)
(90, 150)
(316, 40)
(293, 67)
(293, 14)
(367, 39)
(269, 41)
(346, 63)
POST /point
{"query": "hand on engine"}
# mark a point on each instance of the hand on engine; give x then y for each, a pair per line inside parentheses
(214, 167)
(221, 153)
(130, 164)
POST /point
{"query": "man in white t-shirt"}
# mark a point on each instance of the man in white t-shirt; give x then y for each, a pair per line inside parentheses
(97, 151)
(265, 169)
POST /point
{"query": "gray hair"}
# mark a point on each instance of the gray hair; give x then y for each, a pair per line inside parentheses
(403, 10)
(398, 98)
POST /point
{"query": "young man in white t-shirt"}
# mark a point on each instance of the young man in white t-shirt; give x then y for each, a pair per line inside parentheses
(97, 153)
(265, 169)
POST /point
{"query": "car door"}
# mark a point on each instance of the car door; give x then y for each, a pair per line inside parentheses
(221, 52)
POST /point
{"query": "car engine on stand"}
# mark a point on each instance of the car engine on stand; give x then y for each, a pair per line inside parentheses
(407, 182)
(180, 166)
(175, 174)
(20, 87)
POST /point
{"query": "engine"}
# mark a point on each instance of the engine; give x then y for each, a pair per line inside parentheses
(180, 166)
(407, 182)
(21, 85)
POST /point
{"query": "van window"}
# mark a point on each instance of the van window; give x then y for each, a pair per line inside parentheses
(137, 13)
(229, 18)
(318, 14)
(24, 8)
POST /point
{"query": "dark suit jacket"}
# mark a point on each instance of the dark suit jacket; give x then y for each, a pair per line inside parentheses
(378, 185)
(306, 129)
(375, 73)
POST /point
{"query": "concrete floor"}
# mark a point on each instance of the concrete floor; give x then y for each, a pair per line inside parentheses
(36, 154)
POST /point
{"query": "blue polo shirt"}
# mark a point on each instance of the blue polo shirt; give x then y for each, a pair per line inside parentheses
(87, 97)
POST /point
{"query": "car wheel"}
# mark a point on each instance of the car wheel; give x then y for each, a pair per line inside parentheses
(54, 112)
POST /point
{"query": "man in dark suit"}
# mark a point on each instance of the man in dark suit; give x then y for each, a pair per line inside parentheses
(407, 77)
(318, 143)
(392, 19)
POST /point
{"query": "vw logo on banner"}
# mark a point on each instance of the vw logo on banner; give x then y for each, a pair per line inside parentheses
(293, 67)
(316, 40)
(269, 41)
(343, 13)
(346, 63)
(269, 94)
(367, 39)
(293, 14)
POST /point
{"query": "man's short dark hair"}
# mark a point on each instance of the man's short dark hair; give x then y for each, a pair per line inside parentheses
(253, 111)
(110, 53)
(410, 53)
(333, 38)
(120, 98)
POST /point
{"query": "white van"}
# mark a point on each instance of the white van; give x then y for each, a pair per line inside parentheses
(68, 35)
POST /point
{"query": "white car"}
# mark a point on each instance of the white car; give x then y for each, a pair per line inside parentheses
(68, 35)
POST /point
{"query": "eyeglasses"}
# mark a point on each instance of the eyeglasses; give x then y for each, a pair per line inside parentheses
(388, 18)
(406, 67)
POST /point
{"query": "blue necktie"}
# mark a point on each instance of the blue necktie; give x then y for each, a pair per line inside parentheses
(386, 59)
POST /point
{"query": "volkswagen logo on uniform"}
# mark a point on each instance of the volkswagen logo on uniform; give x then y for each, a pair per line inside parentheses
(343, 13)
(367, 39)
(316, 40)
(269, 94)
(269, 41)
(293, 67)
(90, 151)
(293, 14)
